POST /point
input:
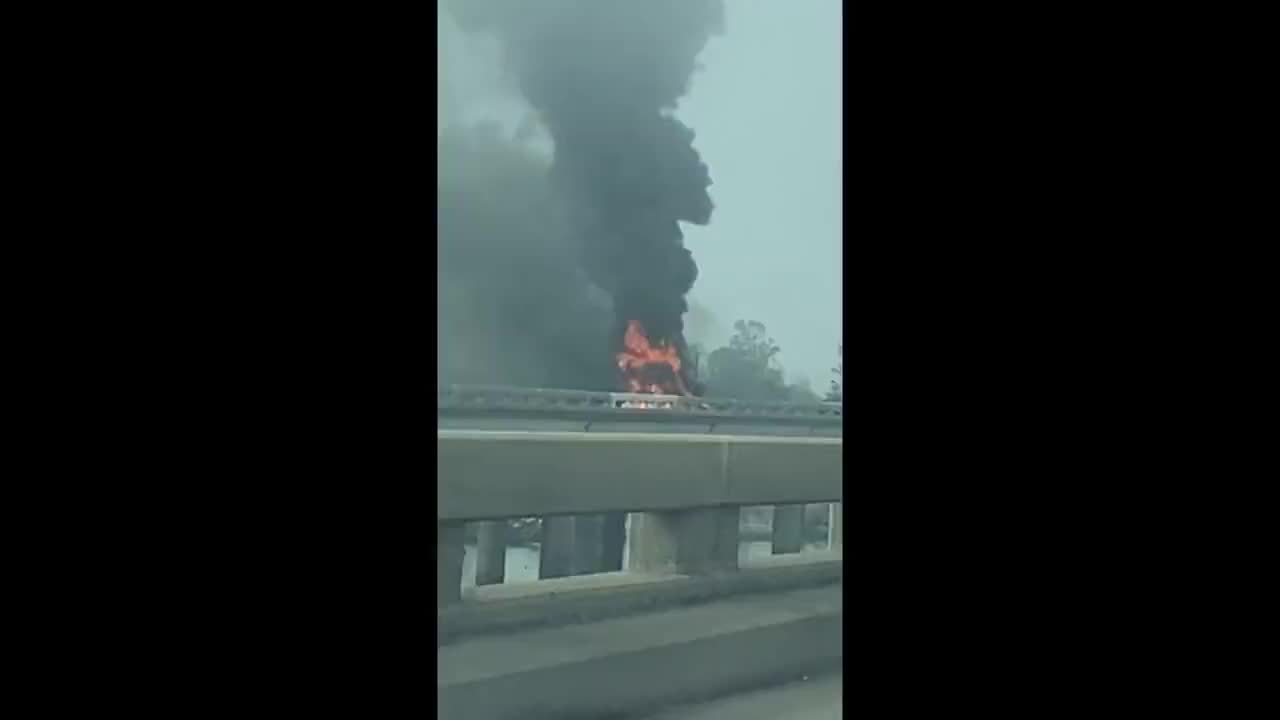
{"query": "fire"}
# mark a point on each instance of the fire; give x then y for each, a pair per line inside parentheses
(649, 367)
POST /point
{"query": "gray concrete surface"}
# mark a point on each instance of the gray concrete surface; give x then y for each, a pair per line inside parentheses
(626, 665)
(490, 475)
(808, 698)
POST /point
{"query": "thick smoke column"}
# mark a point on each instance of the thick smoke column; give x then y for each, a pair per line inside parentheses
(605, 77)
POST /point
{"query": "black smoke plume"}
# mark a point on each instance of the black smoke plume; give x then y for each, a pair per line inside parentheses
(604, 77)
(513, 305)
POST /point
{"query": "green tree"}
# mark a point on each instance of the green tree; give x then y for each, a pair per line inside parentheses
(802, 392)
(746, 369)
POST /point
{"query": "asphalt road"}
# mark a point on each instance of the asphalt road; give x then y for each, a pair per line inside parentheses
(818, 698)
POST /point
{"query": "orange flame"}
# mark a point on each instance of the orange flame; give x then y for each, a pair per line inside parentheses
(639, 356)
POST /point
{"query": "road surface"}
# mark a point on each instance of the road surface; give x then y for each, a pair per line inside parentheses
(818, 698)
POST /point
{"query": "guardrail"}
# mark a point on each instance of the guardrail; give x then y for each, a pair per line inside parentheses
(684, 492)
(592, 410)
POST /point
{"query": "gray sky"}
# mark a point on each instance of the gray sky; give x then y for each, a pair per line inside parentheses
(767, 111)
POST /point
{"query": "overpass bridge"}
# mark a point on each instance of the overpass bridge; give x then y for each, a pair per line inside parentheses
(684, 620)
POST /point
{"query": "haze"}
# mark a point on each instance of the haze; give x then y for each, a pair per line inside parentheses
(766, 108)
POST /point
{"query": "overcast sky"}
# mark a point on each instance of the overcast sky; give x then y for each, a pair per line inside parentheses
(767, 112)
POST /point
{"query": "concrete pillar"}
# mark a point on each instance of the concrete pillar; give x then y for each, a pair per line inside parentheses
(837, 525)
(788, 529)
(689, 542)
(653, 543)
(571, 545)
(556, 557)
(588, 544)
(449, 552)
(709, 541)
(614, 540)
(491, 552)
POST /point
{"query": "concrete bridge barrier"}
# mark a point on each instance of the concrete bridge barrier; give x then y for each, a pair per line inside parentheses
(683, 621)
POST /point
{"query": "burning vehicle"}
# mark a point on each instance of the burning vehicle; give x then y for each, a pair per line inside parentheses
(652, 374)
(653, 368)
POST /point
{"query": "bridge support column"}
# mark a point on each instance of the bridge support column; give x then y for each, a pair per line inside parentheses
(788, 529)
(491, 552)
(688, 542)
(615, 538)
(449, 552)
(588, 544)
(837, 525)
(571, 545)
(556, 557)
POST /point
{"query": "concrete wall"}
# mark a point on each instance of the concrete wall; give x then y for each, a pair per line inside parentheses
(489, 475)
(687, 624)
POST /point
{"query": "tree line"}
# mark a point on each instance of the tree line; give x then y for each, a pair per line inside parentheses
(748, 369)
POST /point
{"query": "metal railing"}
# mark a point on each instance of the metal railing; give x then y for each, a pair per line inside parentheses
(459, 401)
